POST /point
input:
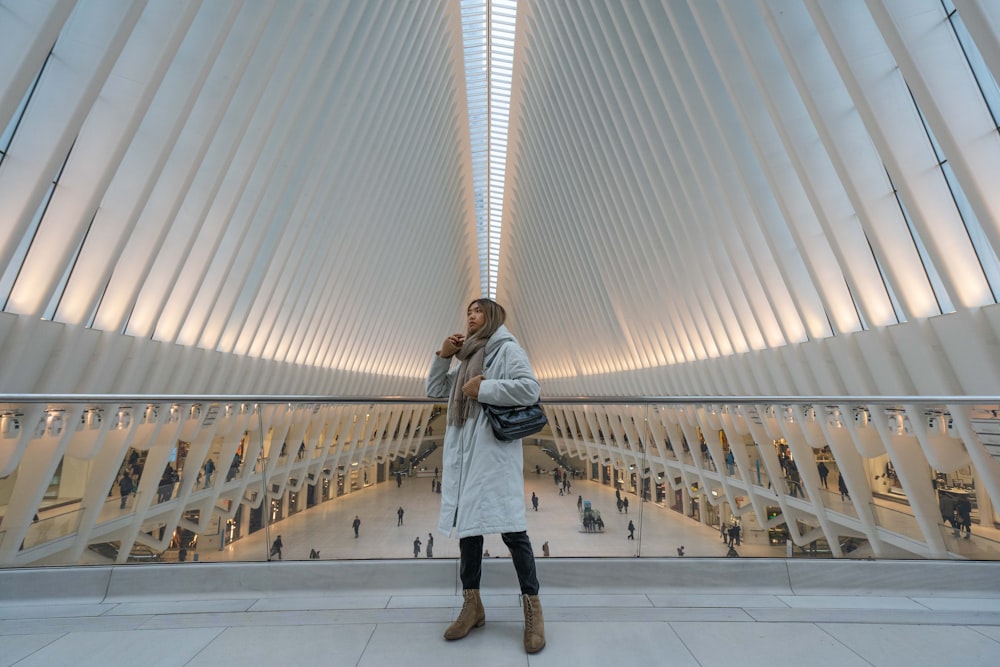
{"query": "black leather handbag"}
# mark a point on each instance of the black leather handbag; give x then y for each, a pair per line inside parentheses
(515, 421)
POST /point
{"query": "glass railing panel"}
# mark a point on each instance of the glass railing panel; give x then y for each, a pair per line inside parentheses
(969, 545)
(835, 502)
(896, 521)
(115, 507)
(52, 528)
(310, 494)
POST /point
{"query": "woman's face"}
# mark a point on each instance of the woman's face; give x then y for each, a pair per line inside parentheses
(475, 318)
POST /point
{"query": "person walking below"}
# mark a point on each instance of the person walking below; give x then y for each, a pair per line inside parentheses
(356, 525)
(416, 547)
(964, 509)
(824, 472)
(842, 486)
(534, 501)
(482, 477)
(125, 486)
(399, 513)
(276, 547)
(631, 530)
(430, 545)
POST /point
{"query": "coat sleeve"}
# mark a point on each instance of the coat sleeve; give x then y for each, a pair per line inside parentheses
(514, 383)
(439, 379)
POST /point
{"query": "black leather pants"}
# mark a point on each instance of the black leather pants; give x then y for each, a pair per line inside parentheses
(471, 563)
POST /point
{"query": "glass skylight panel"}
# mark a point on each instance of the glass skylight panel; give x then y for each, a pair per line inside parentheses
(488, 42)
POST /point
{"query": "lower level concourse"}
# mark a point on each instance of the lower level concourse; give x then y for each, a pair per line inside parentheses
(327, 528)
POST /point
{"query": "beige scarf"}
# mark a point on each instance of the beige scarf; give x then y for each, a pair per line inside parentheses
(460, 406)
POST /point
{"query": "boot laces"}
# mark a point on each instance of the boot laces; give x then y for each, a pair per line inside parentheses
(529, 614)
(468, 609)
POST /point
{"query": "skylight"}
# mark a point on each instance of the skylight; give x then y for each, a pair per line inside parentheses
(488, 36)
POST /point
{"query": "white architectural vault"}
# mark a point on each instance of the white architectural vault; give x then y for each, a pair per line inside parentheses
(717, 198)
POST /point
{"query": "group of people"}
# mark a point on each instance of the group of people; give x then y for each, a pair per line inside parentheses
(790, 471)
(621, 501)
(592, 521)
(731, 534)
(430, 546)
(562, 481)
(165, 490)
(128, 480)
(958, 513)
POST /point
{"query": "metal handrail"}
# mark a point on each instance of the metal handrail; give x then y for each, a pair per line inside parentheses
(569, 400)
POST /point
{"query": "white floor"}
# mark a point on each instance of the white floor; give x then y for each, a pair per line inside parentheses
(597, 612)
(327, 527)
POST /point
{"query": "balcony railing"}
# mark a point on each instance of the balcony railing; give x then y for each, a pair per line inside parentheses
(687, 464)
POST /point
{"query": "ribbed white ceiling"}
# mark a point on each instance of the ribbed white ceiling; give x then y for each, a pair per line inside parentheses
(279, 180)
(701, 196)
(701, 180)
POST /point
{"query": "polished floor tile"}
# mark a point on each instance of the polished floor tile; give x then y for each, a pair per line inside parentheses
(53, 610)
(611, 643)
(496, 644)
(16, 647)
(150, 648)
(76, 624)
(849, 602)
(960, 604)
(281, 603)
(764, 644)
(165, 607)
(916, 645)
(286, 645)
(716, 600)
(591, 600)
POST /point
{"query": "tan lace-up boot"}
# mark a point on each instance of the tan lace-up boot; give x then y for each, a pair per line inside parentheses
(472, 615)
(534, 624)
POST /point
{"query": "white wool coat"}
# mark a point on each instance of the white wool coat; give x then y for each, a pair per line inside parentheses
(482, 478)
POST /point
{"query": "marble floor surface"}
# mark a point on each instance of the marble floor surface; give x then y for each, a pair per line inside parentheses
(598, 612)
(327, 527)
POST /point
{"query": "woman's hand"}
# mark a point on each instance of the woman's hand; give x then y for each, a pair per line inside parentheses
(451, 345)
(471, 388)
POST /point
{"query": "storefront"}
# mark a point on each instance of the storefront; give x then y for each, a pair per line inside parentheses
(233, 529)
(777, 535)
(277, 512)
(678, 498)
(885, 483)
(256, 519)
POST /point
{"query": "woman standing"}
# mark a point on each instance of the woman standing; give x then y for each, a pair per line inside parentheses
(482, 477)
